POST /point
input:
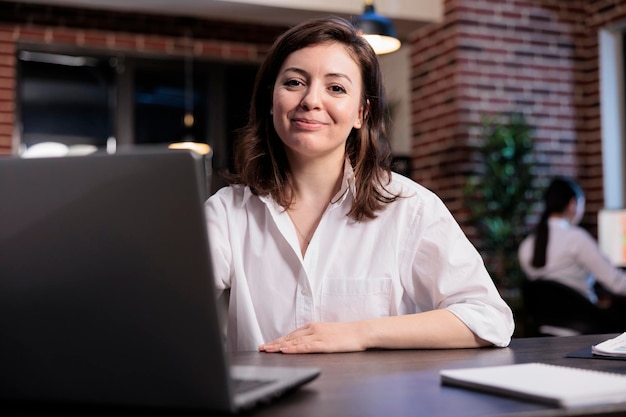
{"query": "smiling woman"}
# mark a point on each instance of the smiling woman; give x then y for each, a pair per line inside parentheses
(316, 244)
(316, 103)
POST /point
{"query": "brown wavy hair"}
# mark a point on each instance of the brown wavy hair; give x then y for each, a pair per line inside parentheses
(260, 159)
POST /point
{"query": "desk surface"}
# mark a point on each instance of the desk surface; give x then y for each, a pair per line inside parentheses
(406, 383)
(400, 383)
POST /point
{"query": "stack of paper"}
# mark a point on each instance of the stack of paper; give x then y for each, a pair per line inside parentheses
(615, 347)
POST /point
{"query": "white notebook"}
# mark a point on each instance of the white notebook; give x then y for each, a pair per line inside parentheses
(557, 385)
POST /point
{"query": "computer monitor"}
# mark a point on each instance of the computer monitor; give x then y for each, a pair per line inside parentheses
(612, 234)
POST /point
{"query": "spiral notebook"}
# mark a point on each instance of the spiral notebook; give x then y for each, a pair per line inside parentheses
(551, 384)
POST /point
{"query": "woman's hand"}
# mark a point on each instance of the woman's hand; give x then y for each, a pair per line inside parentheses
(319, 338)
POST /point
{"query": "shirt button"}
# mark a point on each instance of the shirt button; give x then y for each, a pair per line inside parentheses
(304, 292)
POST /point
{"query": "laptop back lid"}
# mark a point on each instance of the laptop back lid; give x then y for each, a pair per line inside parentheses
(105, 282)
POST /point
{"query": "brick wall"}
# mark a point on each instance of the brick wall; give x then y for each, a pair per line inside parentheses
(490, 56)
(7, 88)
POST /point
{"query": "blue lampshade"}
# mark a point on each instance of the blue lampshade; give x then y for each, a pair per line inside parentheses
(378, 30)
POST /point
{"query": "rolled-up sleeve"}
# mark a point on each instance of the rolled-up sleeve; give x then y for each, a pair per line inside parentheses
(449, 273)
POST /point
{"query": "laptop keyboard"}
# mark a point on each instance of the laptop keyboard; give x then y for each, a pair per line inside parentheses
(243, 385)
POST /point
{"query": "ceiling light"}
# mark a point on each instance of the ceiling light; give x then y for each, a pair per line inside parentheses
(378, 30)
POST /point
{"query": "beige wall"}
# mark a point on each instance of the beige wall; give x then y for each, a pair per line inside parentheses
(395, 67)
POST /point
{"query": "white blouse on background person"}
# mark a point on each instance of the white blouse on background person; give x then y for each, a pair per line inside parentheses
(413, 257)
(573, 258)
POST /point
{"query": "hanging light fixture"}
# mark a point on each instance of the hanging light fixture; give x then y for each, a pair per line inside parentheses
(188, 119)
(188, 141)
(378, 30)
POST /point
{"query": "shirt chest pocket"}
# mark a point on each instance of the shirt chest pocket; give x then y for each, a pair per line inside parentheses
(355, 299)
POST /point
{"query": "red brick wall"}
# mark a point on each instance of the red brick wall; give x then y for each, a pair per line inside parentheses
(490, 56)
(7, 88)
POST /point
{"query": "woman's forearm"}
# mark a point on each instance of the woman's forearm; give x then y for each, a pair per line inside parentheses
(430, 329)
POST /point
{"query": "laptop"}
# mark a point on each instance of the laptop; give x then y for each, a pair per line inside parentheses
(106, 287)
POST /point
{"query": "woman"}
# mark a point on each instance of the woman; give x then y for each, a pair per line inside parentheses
(562, 251)
(317, 245)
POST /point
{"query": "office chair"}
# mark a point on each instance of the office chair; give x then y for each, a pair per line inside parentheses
(554, 309)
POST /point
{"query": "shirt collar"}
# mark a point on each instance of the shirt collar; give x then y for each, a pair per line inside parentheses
(347, 184)
(559, 222)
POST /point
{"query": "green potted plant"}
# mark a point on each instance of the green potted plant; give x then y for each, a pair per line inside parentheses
(500, 195)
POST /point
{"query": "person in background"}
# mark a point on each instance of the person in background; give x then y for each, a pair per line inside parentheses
(317, 246)
(562, 251)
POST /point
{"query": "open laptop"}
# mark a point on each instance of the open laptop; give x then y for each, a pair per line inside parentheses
(106, 287)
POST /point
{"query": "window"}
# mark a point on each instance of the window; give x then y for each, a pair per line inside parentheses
(64, 99)
(77, 100)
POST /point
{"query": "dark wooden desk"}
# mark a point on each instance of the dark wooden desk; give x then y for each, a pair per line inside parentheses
(397, 384)
(406, 383)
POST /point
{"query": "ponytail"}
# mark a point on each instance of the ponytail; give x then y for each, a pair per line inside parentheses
(556, 199)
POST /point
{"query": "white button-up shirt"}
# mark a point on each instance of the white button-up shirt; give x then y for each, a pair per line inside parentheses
(573, 258)
(413, 257)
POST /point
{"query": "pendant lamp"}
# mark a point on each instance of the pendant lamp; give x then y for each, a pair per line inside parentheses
(188, 141)
(188, 120)
(378, 30)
